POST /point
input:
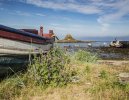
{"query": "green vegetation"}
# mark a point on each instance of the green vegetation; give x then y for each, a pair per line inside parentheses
(85, 56)
(103, 74)
(50, 69)
(58, 75)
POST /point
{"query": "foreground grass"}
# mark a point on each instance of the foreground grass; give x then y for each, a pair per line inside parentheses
(92, 81)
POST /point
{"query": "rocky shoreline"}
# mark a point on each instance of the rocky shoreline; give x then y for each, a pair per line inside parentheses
(105, 53)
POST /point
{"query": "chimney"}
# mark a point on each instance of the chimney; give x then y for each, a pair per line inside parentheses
(41, 31)
(50, 31)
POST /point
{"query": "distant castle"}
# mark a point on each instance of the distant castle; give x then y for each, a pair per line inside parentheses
(68, 39)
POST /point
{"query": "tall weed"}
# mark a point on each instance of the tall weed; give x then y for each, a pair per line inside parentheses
(85, 56)
(50, 69)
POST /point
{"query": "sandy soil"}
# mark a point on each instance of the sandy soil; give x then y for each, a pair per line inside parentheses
(114, 62)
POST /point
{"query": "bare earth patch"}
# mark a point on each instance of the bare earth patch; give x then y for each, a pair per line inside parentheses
(114, 62)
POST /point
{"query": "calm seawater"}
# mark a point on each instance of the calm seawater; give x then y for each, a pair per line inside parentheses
(93, 44)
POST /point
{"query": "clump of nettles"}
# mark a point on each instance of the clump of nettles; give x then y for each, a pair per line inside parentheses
(50, 69)
(85, 56)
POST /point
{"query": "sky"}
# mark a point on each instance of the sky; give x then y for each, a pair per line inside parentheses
(81, 18)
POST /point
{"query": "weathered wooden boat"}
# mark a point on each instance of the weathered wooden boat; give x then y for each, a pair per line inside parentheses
(14, 41)
(16, 45)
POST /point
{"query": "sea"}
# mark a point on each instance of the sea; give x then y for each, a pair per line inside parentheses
(84, 45)
(101, 48)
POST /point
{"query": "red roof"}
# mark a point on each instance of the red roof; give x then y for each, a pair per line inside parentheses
(48, 35)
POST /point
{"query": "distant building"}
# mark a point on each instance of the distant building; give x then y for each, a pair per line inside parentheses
(41, 33)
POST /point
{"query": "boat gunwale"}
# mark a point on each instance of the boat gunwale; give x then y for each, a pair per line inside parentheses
(8, 29)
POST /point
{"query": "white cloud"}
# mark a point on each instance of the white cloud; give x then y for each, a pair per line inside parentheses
(27, 14)
(121, 9)
(96, 1)
(22, 13)
(70, 5)
(114, 11)
(107, 11)
(55, 24)
(1, 8)
(40, 14)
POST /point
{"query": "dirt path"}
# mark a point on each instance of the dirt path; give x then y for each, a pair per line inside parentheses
(114, 62)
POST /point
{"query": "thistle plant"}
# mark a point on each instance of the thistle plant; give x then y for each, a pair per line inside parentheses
(50, 68)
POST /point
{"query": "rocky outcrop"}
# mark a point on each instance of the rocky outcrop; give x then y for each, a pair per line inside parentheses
(68, 39)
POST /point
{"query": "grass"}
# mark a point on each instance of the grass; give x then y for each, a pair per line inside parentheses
(85, 56)
(96, 81)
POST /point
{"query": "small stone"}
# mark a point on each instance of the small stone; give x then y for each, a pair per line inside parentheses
(124, 77)
(75, 79)
(88, 83)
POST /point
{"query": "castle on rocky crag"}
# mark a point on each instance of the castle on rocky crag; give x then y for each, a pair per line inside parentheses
(68, 39)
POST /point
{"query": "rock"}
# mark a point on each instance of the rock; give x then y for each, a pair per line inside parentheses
(88, 84)
(75, 79)
(124, 77)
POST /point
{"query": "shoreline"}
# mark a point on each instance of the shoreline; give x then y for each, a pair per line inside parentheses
(75, 42)
(104, 53)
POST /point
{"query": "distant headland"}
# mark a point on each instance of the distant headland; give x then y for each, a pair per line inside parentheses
(69, 39)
